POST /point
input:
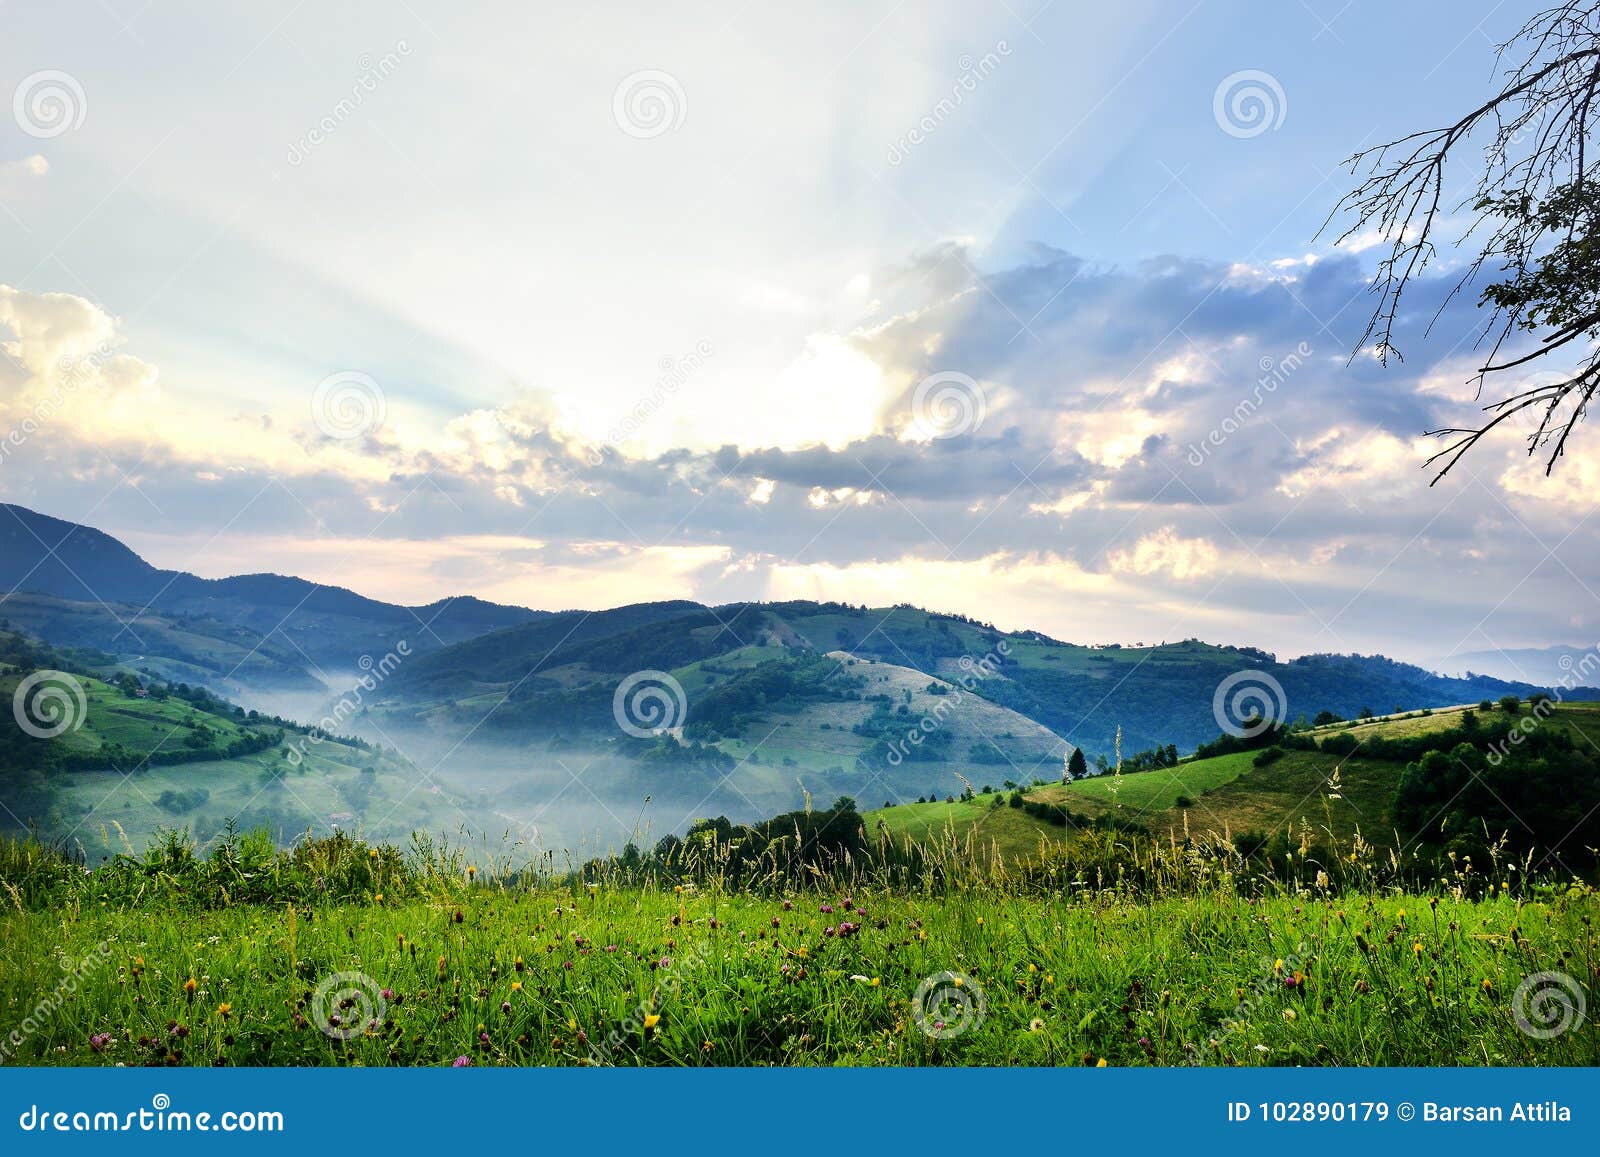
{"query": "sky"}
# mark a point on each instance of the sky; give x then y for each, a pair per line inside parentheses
(1016, 309)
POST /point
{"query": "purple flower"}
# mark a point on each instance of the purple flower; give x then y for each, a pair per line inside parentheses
(387, 994)
(461, 1063)
(505, 1006)
(99, 1041)
(826, 908)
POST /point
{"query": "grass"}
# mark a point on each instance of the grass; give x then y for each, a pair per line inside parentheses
(552, 975)
(1004, 831)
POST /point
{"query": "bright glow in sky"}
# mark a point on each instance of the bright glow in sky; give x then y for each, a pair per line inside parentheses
(648, 293)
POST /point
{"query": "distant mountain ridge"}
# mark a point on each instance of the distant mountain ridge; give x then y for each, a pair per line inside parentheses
(329, 628)
(548, 677)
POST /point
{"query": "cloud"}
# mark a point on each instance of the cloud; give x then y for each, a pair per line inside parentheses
(1160, 448)
(1164, 550)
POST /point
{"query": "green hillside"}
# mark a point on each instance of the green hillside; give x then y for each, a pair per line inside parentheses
(133, 758)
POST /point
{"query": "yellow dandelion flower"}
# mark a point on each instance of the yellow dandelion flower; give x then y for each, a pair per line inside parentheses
(1488, 985)
(874, 982)
(1277, 965)
(189, 986)
(378, 899)
(516, 986)
(651, 1019)
(372, 853)
(1033, 968)
(224, 1009)
(1101, 1063)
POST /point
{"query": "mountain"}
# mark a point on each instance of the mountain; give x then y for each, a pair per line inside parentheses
(555, 679)
(108, 597)
(1559, 666)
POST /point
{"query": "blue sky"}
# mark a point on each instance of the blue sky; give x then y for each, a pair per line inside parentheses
(637, 301)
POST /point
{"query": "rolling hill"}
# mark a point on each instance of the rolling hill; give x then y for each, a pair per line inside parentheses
(309, 627)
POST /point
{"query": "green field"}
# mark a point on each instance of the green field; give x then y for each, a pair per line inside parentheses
(502, 973)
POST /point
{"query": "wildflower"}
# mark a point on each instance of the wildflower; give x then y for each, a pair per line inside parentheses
(788, 906)
(188, 988)
(224, 1009)
(372, 853)
(826, 909)
(1288, 1014)
(387, 994)
(775, 922)
(1036, 1025)
(1277, 965)
(471, 871)
(1033, 968)
(1416, 948)
(378, 899)
(651, 1019)
(99, 1041)
(516, 986)
(1488, 985)
(1101, 1063)
(707, 1046)
(505, 1006)
(461, 1062)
